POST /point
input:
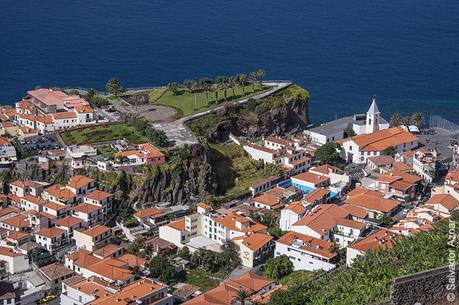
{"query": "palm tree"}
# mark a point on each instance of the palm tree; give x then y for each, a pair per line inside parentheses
(173, 87)
(215, 88)
(253, 78)
(261, 74)
(242, 79)
(206, 84)
(189, 85)
(417, 118)
(396, 119)
(194, 88)
(241, 296)
(223, 83)
(233, 81)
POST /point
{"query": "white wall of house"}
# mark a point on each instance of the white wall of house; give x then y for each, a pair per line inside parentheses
(303, 259)
(351, 254)
(287, 219)
(15, 263)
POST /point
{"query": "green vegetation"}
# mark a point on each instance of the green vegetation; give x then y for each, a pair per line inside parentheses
(217, 262)
(369, 278)
(329, 153)
(114, 87)
(295, 92)
(202, 279)
(278, 267)
(156, 93)
(390, 151)
(106, 150)
(416, 119)
(298, 276)
(145, 128)
(161, 268)
(103, 133)
(235, 171)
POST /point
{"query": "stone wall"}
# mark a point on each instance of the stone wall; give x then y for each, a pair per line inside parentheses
(426, 288)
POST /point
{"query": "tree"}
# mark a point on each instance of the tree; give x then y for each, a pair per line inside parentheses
(329, 153)
(173, 87)
(233, 81)
(184, 253)
(223, 84)
(189, 85)
(241, 296)
(275, 231)
(417, 119)
(242, 80)
(390, 151)
(161, 268)
(206, 84)
(91, 94)
(349, 132)
(253, 78)
(396, 119)
(194, 88)
(278, 267)
(261, 74)
(73, 92)
(114, 87)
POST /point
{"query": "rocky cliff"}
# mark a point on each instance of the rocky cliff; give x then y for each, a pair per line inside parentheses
(285, 112)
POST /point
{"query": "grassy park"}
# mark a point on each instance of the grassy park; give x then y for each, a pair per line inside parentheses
(183, 100)
(103, 133)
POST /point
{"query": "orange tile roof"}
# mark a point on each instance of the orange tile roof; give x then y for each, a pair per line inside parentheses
(323, 217)
(312, 178)
(18, 221)
(86, 208)
(127, 153)
(51, 232)
(108, 250)
(99, 195)
(68, 221)
(149, 212)
(15, 235)
(279, 140)
(262, 148)
(79, 181)
(376, 203)
(9, 252)
(382, 139)
(64, 115)
(54, 206)
(402, 167)
(83, 109)
(254, 241)
(296, 207)
(317, 246)
(96, 230)
(60, 192)
(350, 223)
(151, 150)
(48, 97)
(316, 195)
(453, 175)
(112, 268)
(91, 288)
(24, 104)
(130, 293)
(229, 221)
(34, 200)
(267, 199)
(325, 169)
(381, 239)
(45, 119)
(355, 211)
(178, 224)
(133, 260)
(407, 177)
(446, 200)
(204, 205)
(8, 210)
(83, 258)
(4, 141)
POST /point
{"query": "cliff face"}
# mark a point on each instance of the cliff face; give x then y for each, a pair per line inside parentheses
(276, 115)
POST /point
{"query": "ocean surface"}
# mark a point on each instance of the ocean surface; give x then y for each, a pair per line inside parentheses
(405, 52)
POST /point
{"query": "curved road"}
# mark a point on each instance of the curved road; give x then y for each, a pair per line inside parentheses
(179, 135)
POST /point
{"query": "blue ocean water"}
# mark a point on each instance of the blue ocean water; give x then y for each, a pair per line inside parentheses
(406, 52)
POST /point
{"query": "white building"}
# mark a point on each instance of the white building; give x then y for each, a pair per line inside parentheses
(425, 163)
(7, 152)
(306, 252)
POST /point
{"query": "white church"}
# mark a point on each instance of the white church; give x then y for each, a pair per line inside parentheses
(361, 124)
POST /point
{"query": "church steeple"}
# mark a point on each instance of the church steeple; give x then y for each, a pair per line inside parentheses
(373, 118)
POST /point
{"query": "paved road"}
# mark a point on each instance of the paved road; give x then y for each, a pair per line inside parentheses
(179, 134)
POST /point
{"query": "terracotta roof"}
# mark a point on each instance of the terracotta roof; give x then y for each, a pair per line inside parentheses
(54, 206)
(382, 139)
(350, 223)
(8, 210)
(267, 199)
(24, 104)
(92, 289)
(83, 258)
(262, 148)
(60, 192)
(254, 241)
(108, 250)
(323, 217)
(299, 161)
(149, 212)
(48, 97)
(9, 252)
(446, 200)
(51, 232)
(308, 243)
(325, 169)
(229, 221)
(83, 109)
(204, 205)
(381, 239)
(355, 211)
(98, 195)
(382, 160)
(376, 203)
(453, 175)
(55, 271)
(18, 221)
(15, 235)
(316, 195)
(132, 152)
(96, 230)
(279, 141)
(79, 181)
(112, 268)
(312, 178)
(68, 221)
(296, 207)
(34, 200)
(151, 150)
(402, 167)
(86, 208)
(64, 115)
(130, 293)
(45, 119)
(133, 260)
(178, 224)
(407, 177)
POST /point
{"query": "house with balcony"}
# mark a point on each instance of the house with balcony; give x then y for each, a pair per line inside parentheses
(92, 238)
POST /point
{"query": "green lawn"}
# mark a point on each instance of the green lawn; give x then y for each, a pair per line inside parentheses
(201, 279)
(298, 276)
(103, 133)
(184, 101)
(235, 171)
(106, 151)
